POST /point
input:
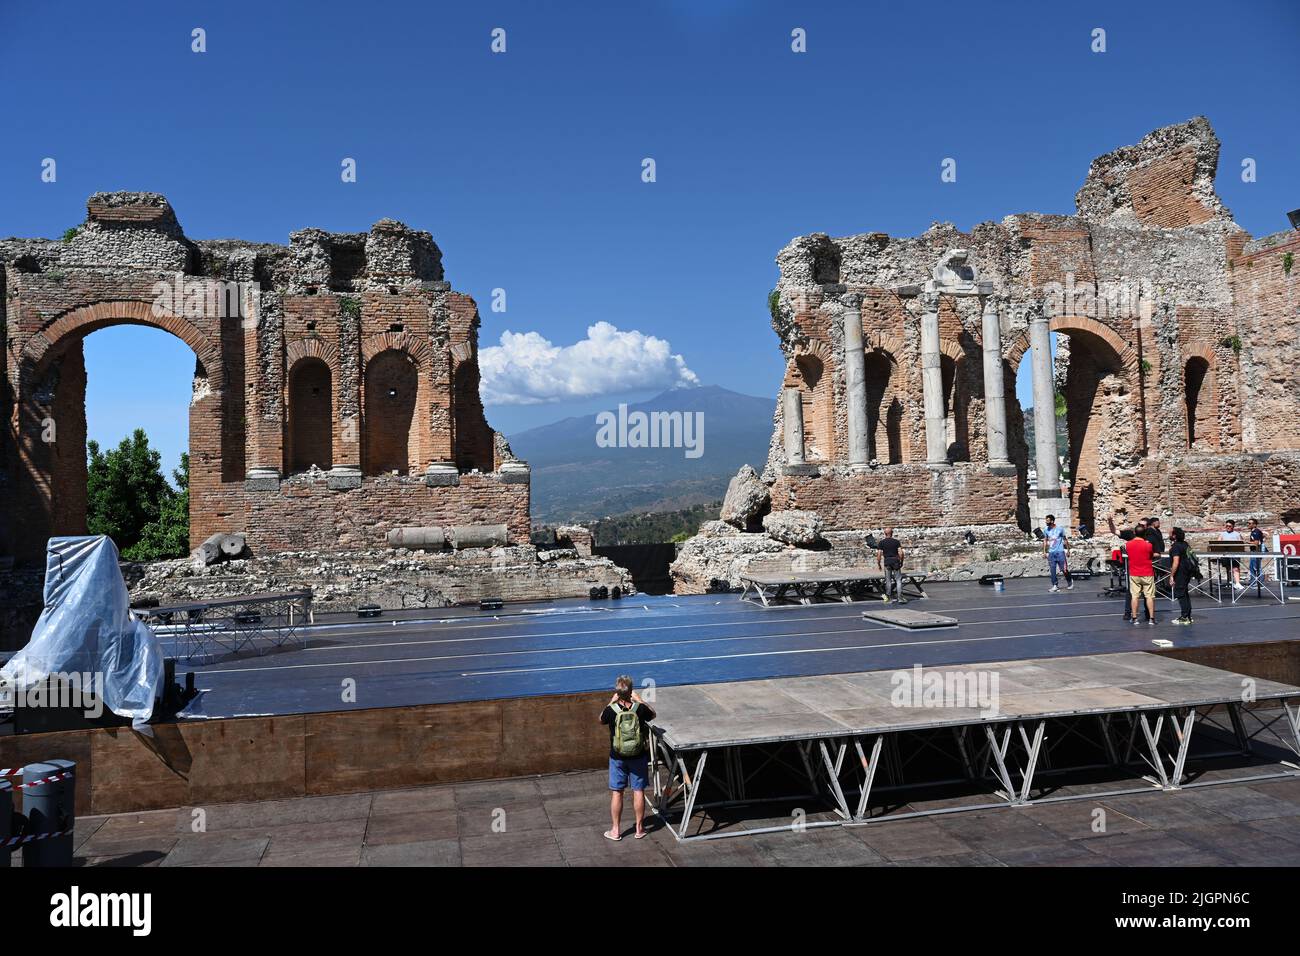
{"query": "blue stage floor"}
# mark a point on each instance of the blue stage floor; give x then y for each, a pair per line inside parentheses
(571, 646)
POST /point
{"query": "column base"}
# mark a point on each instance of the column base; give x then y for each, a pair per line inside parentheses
(262, 479)
(938, 465)
(1003, 467)
(343, 478)
(1040, 508)
(442, 474)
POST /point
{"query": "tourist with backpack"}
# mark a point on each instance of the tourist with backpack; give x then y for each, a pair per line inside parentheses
(1185, 566)
(628, 718)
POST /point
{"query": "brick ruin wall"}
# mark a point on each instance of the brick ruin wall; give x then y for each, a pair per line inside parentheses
(1177, 341)
(335, 391)
(1175, 313)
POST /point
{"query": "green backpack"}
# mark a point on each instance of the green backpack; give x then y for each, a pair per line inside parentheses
(629, 732)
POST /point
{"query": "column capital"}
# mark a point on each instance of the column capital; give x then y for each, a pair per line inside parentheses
(852, 301)
(929, 301)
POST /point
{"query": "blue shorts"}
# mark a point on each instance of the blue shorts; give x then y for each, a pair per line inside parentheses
(627, 772)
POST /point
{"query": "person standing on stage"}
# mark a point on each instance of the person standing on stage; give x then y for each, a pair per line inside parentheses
(1141, 575)
(628, 717)
(1230, 533)
(1055, 543)
(1155, 536)
(1181, 572)
(1255, 535)
(889, 558)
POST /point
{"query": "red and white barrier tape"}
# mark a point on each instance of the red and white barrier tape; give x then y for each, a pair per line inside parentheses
(16, 841)
(36, 783)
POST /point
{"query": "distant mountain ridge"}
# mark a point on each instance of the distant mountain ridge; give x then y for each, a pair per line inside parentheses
(575, 478)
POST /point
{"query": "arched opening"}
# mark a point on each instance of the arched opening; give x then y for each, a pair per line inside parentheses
(884, 408)
(956, 407)
(1198, 394)
(309, 438)
(82, 466)
(818, 444)
(391, 387)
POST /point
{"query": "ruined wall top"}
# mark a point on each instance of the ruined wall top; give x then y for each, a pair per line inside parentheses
(1166, 180)
(140, 230)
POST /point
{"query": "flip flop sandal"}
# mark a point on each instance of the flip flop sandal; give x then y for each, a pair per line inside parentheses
(642, 835)
(614, 839)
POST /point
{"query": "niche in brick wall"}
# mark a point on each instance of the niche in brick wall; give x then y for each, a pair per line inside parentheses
(310, 438)
(392, 385)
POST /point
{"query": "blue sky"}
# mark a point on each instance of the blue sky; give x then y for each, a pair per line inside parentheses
(526, 166)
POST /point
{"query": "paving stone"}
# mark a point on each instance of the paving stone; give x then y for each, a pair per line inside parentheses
(955, 859)
(1152, 848)
(1241, 844)
(209, 849)
(993, 830)
(411, 827)
(589, 843)
(327, 855)
(826, 847)
(142, 859)
(1055, 854)
(1164, 809)
(1242, 803)
(1074, 819)
(512, 848)
(414, 801)
(243, 816)
(421, 853)
(485, 820)
(497, 793)
(905, 840)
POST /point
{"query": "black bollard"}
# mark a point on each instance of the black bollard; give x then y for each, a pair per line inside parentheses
(49, 808)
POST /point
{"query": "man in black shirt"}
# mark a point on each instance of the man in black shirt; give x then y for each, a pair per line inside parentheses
(1181, 573)
(628, 718)
(889, 557)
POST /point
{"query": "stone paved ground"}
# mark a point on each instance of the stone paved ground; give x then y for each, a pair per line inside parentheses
(557, 821)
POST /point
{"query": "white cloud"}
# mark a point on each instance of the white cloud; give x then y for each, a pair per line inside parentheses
(527, 369)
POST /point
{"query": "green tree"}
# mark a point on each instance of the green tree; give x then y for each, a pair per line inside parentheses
(169, 535)
(126, 491)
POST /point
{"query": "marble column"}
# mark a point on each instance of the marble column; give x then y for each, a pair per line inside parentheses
(793, 413)
(936, 425)
(995, 395)
(855, 380)
(1046, 462)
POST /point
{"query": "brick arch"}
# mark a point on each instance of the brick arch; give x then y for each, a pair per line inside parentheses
(316, 348)
(81, 321)
(417, 348)
(1124, 354)
(885, 342)
(1202, 350)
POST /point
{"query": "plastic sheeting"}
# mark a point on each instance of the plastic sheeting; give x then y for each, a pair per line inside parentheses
(87, 629)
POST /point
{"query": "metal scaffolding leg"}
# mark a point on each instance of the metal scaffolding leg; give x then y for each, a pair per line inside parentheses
(869, 765)
(832, 771)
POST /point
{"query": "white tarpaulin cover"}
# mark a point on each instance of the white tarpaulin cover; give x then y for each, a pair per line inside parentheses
(87, 629)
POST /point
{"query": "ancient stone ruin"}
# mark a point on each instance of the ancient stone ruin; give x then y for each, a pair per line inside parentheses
(1177, 340)
(335, 404)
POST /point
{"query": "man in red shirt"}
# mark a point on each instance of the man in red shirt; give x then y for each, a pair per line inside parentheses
(1141, 576)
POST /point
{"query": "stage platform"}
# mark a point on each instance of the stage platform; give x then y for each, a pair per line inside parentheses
(569, 647)
(993, 718)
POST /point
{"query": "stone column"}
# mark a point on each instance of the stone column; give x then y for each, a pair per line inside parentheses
(995, 395)
(936, 425)
(793, 414)
(855, 380)
(1048, 498)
